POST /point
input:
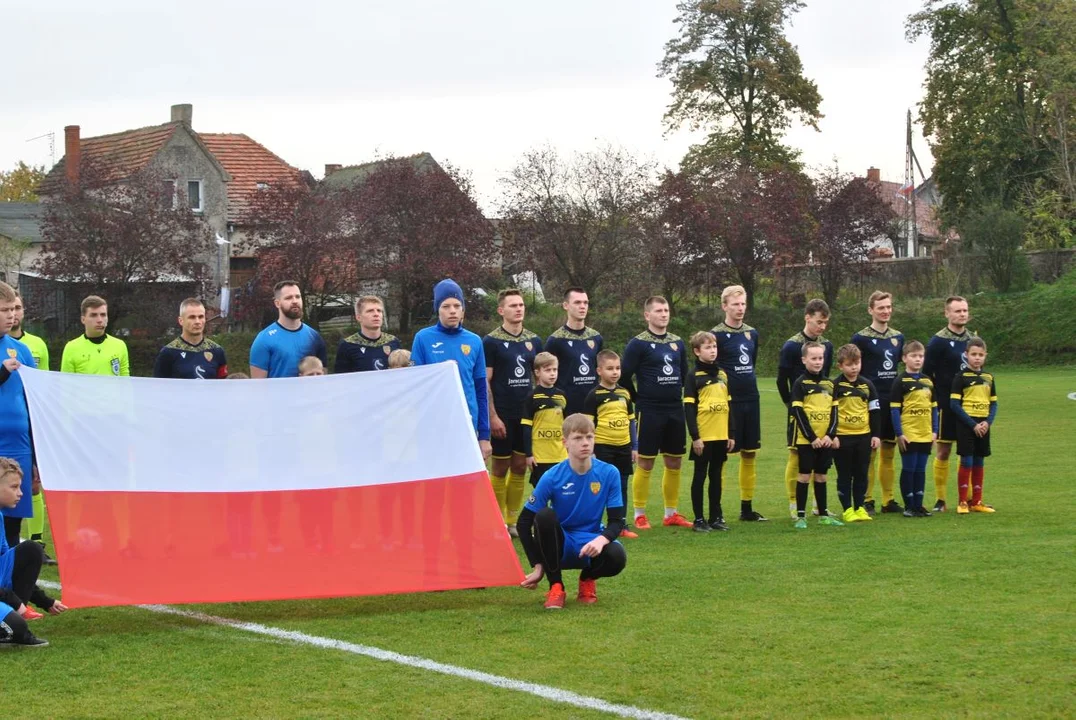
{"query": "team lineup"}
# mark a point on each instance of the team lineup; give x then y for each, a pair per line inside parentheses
(584, 421)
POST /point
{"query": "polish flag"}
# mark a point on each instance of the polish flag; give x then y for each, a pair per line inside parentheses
(181, 491)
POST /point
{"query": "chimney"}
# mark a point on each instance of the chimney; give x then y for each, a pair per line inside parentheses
(73, 155)
(183, 113)
(330, 168)
(874, 174)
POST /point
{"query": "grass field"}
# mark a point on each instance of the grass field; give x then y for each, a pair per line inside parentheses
(946, 616)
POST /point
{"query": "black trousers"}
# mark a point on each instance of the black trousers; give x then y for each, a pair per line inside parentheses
(549, 535)
(853, 460)
(12, 528)
(708, 465)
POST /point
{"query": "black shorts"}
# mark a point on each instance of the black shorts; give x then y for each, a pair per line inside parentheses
(619, 456)
(662, 431)
(512, 442)
(947, 423)
(747, 422)
(922, 448)
(889, 433)
(968, 444)
(714, 451)
(539, 470)
(814, 460)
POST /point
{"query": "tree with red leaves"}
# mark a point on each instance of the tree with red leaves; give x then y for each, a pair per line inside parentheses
(850, 220)
(127, 240)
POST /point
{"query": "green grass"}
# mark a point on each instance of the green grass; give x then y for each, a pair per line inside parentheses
(947, 616)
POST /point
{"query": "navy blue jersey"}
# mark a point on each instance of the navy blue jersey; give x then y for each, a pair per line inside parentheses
(656, 366)
(181, 360)
(579, 501)
(737, 351)
(511, 357)
(946, 357)
(881, 355)
(575, 351)
(279, 351)
(358, 353)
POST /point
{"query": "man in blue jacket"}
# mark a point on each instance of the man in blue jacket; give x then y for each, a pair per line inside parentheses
(448, 340)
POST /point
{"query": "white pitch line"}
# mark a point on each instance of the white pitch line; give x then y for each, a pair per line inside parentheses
(546, 692)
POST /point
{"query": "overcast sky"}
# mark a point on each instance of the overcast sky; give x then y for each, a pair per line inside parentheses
(474, 82)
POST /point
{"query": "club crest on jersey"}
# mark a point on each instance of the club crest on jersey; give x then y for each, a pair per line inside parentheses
(894, 341)
(12, 353)
(590, 344)
(387, 349)
(115, 366)
(529, 345)
(748, 336)
(465, 349)
(595, 487)
(208, 355)
(673, 346)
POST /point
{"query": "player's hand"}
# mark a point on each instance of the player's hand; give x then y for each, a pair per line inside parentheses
(497, 428)
(817, 443)
(698, 446)
(57, 608)
(731, 445)
(486, 449)
(876, 443)
(982, 428)
(35, 483)
(531, 462)
(933, 438)
(11, 364)
(533, 577)
(594, 548)
(903, 442)
(634, 457)
(835, 443)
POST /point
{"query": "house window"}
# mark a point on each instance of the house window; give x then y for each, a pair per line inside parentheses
(263, 186)
(168, 194)
(194, 195)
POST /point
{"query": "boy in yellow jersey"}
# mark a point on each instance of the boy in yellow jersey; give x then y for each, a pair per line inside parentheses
(610, 407)
(859, 425)
(543, 417)
(914, 410)
(95, 352)
(814, 432)
(974, 403)
(708, 411)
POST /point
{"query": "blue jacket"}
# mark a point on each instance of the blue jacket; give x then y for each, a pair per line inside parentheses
(436, 344)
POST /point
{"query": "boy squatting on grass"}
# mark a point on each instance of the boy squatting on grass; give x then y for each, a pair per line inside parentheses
(915, 423)
(561, 524)
(974, 403)
(814, 411)
(707, 408)
(859, 425)
(19, 568)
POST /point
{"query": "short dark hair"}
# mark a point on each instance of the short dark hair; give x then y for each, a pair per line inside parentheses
(848, 353)
(975, 342)
(188, 302)
(877, 296)
(283, 284)
(508, 292)
(573, 289)
(816, 306)
(810, 345)
(92, 302)
(912, 346)
(954, 298)
(654, 300)
(702, 337)
(607, 355)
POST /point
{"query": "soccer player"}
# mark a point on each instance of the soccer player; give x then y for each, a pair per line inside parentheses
(311, 366)
(737, 351)
(945, 359)
(789, 368)
(814, 432)
(399, 359)
(656, 360)
(706, 405)
(370, 347)
(20, 565)
(914, 409)
(615, 438)
(278, 348)
(40, 352)
(95, 352)
(191, 356)
(881, 348)
(14, 415)
(510, 351)
(543, 415)
(974, 403)
(859, 425)
(576, 347)
(447, 339)
(561, 524)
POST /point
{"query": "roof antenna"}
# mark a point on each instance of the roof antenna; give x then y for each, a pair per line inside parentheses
(52, 146)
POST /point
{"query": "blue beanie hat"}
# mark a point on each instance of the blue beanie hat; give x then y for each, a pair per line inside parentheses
(444, 290)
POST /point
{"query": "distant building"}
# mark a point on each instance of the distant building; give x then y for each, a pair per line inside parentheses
(920, 234)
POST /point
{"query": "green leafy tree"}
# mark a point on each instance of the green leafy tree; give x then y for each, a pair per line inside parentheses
(737, 76)
(20, 184)
(997, 233)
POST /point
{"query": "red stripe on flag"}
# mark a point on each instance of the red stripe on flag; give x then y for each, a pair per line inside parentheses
(127, 548)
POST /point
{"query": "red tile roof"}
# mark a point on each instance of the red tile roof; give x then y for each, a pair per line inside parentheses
(116, 156)
(249, 163)
(926, 216)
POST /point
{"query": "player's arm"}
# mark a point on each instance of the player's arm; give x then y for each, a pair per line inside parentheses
(691, 406)
(993, 403)
(490, 351)
(827, 358)
(831, 429)
(321, 350)
(590, 406)
(786, 371)
(629, 365)
(933, 357)
(956, 402)
(125, 362)
(67, 360)
(798, 412)
(162, 366)
(418, 350)
(633, 426)
(222, 368)
(343, 363)
(684, 369)
(874, 410)
(259, 358)
(525, 523)
(44, 355)
(481, 396)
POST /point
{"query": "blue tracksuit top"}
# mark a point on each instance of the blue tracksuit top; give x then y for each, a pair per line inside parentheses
(436, 344)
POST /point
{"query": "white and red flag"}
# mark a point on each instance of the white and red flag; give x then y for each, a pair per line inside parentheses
(180, 491)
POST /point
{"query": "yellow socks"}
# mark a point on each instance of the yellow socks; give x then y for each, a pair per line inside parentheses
(792, 474)
(500, 489)
(36, 525)
(886, 472)
(941, 477)
(748, 476)
(514, 497)
(670, 487)
(640, 490)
